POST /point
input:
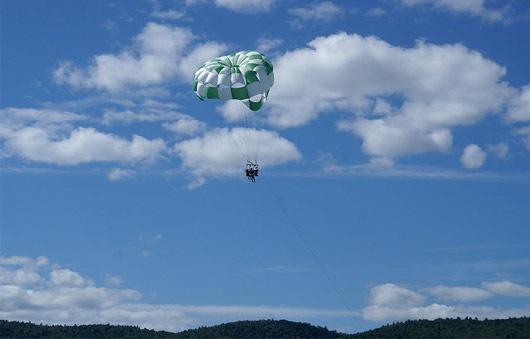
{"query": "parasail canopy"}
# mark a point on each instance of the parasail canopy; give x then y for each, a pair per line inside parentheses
(246, 76)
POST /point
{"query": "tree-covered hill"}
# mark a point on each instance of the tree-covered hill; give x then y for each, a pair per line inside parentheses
(22, 330)
(240, 329)
(440, 328)
(453, 328)
(260, 329)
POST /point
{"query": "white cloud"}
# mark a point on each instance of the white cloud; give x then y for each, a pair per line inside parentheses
(113, 281)
(198, 56)
(435, 311)
(461, 294)
(53, 295)
(524, 133)
(325, 11)
(14, 119)
(170, 14)
(471, 7)
(507, 288)
(159, 53)
(25, 262)
(219, 152)
(390, 303)
(395, 296)
(393, 137)
(83, 145)
(500, 150)
(65, 297)
(380, 162)
(145, 115)
(118, 174)
(519, 109)
(376, 11)
(473, 156)
(265, 45)
(20, 277)
(382, 313)
(246, 6)
(437, 88)
(13, 115)
(185, 126)
(195, 183)
(46, 135)
(233, 110)
(66, 277)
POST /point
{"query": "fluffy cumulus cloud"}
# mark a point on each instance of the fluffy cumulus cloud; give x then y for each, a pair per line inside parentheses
(83, 145)
(403, 100)
(390, 302)
(325, 11)
(49, 136)
(473, 156)
(157, 54)
(395, 296)
(37, 291)
(246, 6)
(48, 294)
(220, 152)
(472, 7)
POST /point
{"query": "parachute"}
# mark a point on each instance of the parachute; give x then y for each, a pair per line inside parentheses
(245, 77)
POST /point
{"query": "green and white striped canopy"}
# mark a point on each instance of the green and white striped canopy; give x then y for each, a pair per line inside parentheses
(245, 76)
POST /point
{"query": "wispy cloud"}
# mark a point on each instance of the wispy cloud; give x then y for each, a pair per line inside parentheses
(118, 174)
(265, 45)
(329, 167)
(246, 6)
(279, 269)
(474, 8)
(376, 11)
(323, 11)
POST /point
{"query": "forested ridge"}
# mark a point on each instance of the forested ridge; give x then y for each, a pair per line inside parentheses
(453, 328)
(440, 328)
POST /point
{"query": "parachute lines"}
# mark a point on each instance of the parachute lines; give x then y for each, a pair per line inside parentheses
(245, 76)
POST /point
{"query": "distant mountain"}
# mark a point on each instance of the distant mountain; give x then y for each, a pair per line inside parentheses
(440, 328)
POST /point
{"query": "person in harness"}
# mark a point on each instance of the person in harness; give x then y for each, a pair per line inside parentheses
(251, 171)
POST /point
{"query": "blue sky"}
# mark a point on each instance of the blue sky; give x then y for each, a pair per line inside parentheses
(394, 153)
